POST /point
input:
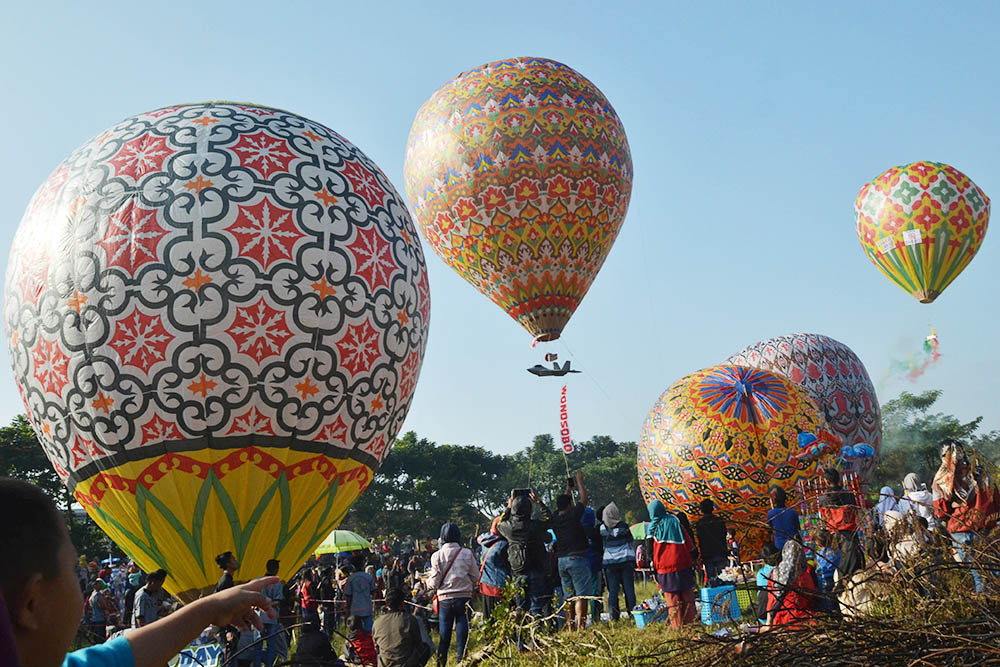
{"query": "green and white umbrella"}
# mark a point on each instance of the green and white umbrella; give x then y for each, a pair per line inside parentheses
(340, 541)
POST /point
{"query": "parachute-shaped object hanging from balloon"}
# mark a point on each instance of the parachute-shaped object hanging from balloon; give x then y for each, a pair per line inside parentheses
(921, 224)
(216, 316)
(519, 173)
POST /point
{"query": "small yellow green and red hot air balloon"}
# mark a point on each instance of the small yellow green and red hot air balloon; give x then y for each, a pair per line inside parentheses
(921, 224)
(519, 174)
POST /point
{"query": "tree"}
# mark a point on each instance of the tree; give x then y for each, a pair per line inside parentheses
(421, 485)
(911, 435)
(22, 457)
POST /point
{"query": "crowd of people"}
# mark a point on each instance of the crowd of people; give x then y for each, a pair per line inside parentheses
(559, 567)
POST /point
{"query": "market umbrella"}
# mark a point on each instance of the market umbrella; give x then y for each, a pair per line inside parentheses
(727, 433)
(639, 530)
(340, 541)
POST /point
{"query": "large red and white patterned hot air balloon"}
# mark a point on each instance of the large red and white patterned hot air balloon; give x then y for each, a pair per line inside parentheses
(519, 173)
(216, 316)
(834, 377)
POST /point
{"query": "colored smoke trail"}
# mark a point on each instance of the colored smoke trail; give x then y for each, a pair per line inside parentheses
(911, 365)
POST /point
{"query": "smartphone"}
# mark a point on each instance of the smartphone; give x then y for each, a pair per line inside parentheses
(522, 492)
(571, 482)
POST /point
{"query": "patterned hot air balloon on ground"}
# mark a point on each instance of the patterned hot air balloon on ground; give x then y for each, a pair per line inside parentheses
(834, 377)
(519, 174)
(216, 316)
(727, 433)
(921, 224)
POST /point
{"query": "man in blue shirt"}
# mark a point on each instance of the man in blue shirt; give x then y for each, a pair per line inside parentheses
(44, 603)
(358, 591)
(784, 521)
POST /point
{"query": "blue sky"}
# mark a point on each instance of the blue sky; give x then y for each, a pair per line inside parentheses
(752, 126)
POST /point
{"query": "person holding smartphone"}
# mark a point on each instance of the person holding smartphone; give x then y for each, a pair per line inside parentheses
(571, 547)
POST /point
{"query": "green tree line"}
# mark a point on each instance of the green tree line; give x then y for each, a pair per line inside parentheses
(421, 483)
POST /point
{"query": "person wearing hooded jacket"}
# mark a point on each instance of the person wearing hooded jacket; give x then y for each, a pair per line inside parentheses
(618, 559)
(493, 568)
(454, 575)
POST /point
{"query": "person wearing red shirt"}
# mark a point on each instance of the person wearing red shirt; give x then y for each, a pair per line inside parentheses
(673, 562)
(307, 598)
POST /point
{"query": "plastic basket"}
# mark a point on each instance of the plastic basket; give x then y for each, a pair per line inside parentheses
(743, 597)
(642, 618)
(719, 605)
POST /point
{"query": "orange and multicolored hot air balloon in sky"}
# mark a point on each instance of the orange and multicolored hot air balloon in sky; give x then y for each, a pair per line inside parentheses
(519, 174)
(216, 315)
(921, 224)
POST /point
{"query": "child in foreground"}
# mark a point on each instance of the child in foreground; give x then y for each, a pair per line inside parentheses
(42, 602)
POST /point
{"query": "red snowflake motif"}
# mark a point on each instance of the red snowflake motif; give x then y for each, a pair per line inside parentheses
(144, 154)
(95, 451)
(156, 431)
(251, 422)
(359, 348)
(373, 256)
(264, 153)
(131, 238)
(424, 298)
(79, 452)
(257, 111)
(50, 189)
(141, 342)
(32, 274)
(266, 233)
(335, 433)
(365, 183)
(377, 447)
(408, 375)
(51, 366)
(259, 330)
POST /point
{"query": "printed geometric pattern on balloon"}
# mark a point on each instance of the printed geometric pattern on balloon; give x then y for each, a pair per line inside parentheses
(210, 277)
(519, 173)
(834, 377)
(921, 224)
(727, 433)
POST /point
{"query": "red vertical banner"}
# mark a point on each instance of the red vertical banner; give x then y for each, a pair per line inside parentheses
(567, 444)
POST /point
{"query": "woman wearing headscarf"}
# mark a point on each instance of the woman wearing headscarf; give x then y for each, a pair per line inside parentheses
(454, 575)
(887, 503)
(618, 559)
(673, 562)
(917, 500)
(791, 589)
